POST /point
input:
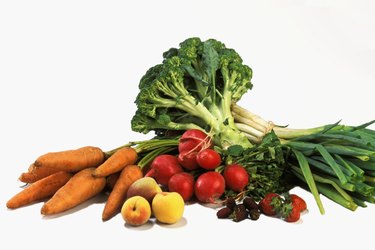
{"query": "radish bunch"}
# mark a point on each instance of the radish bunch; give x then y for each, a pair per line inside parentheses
(198, 170)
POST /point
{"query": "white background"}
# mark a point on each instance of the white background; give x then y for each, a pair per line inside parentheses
(69, 72)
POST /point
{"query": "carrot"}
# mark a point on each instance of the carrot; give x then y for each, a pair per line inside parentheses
(72, 160)
(116, 198)
(43, 188)
(111, 180)
(35, 173)
(116, 162)
(81, 187)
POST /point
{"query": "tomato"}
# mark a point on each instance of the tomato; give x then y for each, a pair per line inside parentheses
(208, 159)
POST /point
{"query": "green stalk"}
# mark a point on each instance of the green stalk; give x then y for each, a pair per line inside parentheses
(146, 145)
(365, 165)
(305, 168)
(350, 166)
(149, 157)
(332, 163)
(289, 133)
(335, 196)
(359, 202)
(331, 181)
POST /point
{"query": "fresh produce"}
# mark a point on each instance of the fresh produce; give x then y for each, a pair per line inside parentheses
(111, 180)
(207, 146)
(271, 204)
(182, 183)
(208, 159)
(36, 173)
(224, 213)
(264, 163)
(72, 160)
(209, 187)
(194, 88)
(194, 140)
(188, 160)
(198, 85)
(117, 196)
(297, 202)
(292, 214)
(81, 187)
(292, 207)
(136, 211)
(239, 211)
(335, 160)
(146, 187)
(236, 177)
(163, 167)
(168, 207)
(286, 206)
(41, 189)
(116, 162)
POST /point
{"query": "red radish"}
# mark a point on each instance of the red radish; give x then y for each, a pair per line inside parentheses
(182, 183)
(188, 160)
(209, 186)
(236, 177)
(208, 159)
(163, 167)
(194, 140)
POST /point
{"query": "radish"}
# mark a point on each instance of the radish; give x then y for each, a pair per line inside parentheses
(163, 167)
(194, 140)
(209, 186)
(208, 159)
(182, 183)
(236, 177)
(188, 160)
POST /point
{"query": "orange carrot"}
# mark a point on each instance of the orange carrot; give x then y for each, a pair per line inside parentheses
(81, 187)
(72, 160)
(39, 190)
(116, 162)
(35, 173)
(111, 180)
(116, 198)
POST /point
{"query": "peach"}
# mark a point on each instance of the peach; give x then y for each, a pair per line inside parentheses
(146, 187)
(136, 211)
(168, 207)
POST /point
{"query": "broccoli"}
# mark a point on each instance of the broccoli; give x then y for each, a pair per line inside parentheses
(194, 88)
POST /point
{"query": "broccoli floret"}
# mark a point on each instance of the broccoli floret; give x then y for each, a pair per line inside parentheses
(194, 87)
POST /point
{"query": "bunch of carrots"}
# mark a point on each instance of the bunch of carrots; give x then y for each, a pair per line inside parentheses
(69, 178)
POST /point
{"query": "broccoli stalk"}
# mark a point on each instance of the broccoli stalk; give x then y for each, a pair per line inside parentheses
(194, 88)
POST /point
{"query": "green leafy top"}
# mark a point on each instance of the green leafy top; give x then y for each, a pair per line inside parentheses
(194, 88)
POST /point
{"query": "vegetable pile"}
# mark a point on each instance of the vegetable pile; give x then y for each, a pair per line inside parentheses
(209, 149)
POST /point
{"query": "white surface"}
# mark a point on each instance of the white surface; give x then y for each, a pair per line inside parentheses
(69, 72)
